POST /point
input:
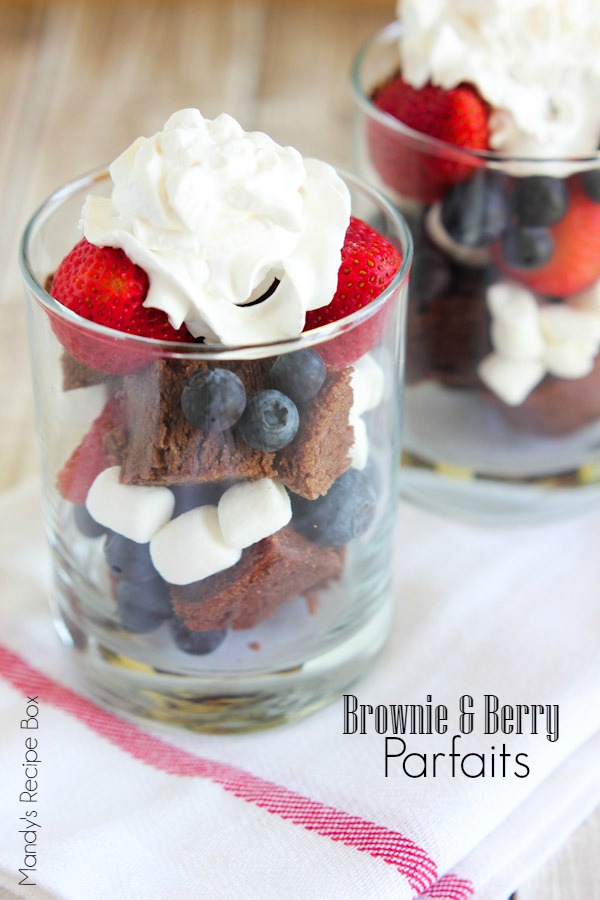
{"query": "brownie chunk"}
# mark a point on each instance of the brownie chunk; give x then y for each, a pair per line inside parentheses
(557, 406)
(77, 375)
(318, 455)
(164, 448)
(270, 572)
(448, 335)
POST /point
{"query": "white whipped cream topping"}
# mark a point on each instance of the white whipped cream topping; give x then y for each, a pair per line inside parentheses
(535, 61)
(531, 340)
(214, 214)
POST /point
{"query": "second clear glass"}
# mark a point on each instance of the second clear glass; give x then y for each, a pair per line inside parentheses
(502, 404)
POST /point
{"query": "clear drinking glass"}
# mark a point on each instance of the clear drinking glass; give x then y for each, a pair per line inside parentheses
(502, 401)
(286, 623)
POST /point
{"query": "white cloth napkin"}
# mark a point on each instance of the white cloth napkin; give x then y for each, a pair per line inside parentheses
(305, 811)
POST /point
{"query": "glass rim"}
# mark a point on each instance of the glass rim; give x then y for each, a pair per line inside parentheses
(391, 32)
(185, 350)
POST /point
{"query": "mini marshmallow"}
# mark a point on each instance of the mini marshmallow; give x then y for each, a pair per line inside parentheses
(561, 323)
(367, 380)
(515, 331)
(191, 547)
(359, 451)
(252, 510)
(569, 359)
(133, 510)
(80, 406)
(512, 380)
(475, 257)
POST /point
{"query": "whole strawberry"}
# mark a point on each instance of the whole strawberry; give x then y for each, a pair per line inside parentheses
(102, 285)
(369, 263)
(458, 117)
(571, 261)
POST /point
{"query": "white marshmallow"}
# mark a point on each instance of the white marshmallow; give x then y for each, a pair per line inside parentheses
(367, 380)
(561, 323)
(569, 359)
(515, 330)
(81, 406)
(252, 510)
(475, 257)
(512, 380)
(133, 510)
(191, 547)
(359, 451)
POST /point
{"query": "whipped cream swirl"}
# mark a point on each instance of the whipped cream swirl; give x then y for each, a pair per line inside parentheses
(535, 61)
(218, 217)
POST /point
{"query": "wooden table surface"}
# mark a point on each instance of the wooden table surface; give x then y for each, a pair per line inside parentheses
(78, 81)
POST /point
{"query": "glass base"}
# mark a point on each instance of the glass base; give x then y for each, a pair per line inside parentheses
(216, 701)
(463, 459)
(463, 494)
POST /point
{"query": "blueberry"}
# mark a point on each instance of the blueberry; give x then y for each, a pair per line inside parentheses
(86, 524)
(128, 558)
(343, 514)
(270, 421)
(591, 184)
(151, 595)
(197, 642)
(476, 212)
(528, 247)
(189, 496)
(300, 375)
(136, 619)
(213, 399)
(540, 200)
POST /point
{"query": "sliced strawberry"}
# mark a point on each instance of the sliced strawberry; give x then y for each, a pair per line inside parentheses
(369, 263)
(90, 457)
(102, 285)
(574, 263)
(458, 117)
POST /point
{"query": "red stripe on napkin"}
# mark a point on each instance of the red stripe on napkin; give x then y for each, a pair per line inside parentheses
(382, 843)
(449, 887)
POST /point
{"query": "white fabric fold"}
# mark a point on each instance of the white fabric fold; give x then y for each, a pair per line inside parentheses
(512, 612)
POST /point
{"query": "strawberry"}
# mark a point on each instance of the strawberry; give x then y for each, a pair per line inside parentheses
(369, 263)
(458, 117)
(102, 285)
(89, 458)
(574, 263)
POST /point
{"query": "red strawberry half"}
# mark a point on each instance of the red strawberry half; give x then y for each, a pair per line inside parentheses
(369, 263)
(102, 285)
(89, 458)
(459, 117)
(575, 260)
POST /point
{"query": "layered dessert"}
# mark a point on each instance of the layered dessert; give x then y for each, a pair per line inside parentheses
(229, 469)
(486, 135)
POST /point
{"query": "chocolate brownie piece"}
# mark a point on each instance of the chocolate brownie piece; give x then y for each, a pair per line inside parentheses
(270, 572)
(164, 448)
(448, 335)
(448, 324)
(77, 375)
(557, 406)
(318, 455)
